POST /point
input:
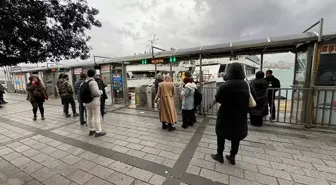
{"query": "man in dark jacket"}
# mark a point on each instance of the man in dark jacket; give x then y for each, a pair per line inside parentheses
(66, 92)
(272, 83)
(231, 123)
(78, 83)
(2, 92)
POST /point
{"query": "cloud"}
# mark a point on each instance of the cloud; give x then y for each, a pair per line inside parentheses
(129, 24)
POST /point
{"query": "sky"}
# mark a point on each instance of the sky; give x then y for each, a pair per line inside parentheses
(127, 25)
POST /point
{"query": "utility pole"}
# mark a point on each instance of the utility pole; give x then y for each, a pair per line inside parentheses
(152, 50)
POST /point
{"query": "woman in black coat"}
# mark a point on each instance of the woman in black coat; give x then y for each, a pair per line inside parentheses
(231, 123)
(259, 86)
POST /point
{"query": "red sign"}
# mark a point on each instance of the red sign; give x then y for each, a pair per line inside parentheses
(53, 70)
(328, 49)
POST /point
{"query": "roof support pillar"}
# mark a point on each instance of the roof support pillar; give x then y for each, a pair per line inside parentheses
(261, 61)
(201, 70)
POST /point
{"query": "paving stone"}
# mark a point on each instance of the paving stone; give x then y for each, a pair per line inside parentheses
(20, 161)
(239, 181)
(5, 151)
(139, 182)
(199, 155)
(71, 159)
(31, 152)
(169, 155)
(98, 181)
(320, 175)
(57, 180)
(325, 168)
(43, 174)
(308, 159)
(14, 145)
(148, 143)
(41, 157)
(101, 171)
(120, 167)
(120, 149)
(64, 169)
(75, 151)
(12, 156)
(169, 162)
(85, 165)
(255, 161)
(120, 179)
(151, 150)
(136, 153)
(80, 177)
(107, 145)
(275, 173)
(135, 146)
(286, 182)
(104, 161)
(193, 170)
(38, 146)
(22, 148)
(33, 182)
(54, 143)
(301, 164)
(287, 168)
(48, 150)
(140, 174)
(203, 164)
(134, 140)
(58, 154)
(154, 158)
(308, 180)
(52, 163)
(215, 176)
(64, 147)
(20, 178)
(157, 180)
(264, 179)
(31, 167)
(229, 170)
(88, 155)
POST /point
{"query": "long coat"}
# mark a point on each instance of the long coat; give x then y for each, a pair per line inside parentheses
(167, 106)
(259, 88)
(233, 96)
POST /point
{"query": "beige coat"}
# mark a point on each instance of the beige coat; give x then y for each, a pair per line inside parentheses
(167, 106)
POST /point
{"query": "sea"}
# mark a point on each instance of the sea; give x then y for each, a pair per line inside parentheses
(286, 77)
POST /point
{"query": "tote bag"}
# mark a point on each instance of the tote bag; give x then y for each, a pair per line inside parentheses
(252, 102)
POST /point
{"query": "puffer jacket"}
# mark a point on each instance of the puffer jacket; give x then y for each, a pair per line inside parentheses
(188, 93)
(64, 87)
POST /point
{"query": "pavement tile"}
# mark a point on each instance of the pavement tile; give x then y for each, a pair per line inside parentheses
(203, 164)
(140, 174)
(136, 153)
(308, 180)
(33, 182)
(135, 146)
(64, 169)
(229, 170)
(80, 177)
(240, 181)
(193, 170)
(151, 150)
(11, 156)
(157, 180)
(120, 167)
(98, 181)
(101, 171)
(120, 149)
(31, 152)
(264, 179)
(52, 163)
(48, 150)
(104, 161)
(59, 154)
(275, 173)
(5, 151)
(31, 167)
(14, 145)
(85, 165)
(41, 157)
(71, 159)
(57, 180)
(21, 161)
(120, 179)
(43, 174)
(154, 158)
(88, 155)
(20, 178)
(22, 148)
(214, 176)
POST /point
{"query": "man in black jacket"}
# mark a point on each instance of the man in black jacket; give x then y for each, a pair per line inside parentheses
(272, 83)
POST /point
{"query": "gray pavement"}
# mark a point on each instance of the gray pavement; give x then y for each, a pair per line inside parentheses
(136, 151)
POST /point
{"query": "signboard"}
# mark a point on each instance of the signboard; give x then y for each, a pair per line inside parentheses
(157, 61)
(105, 68)
(77, 71)
(328, 49)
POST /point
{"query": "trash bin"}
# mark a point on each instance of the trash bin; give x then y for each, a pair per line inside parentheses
(177, 97)
(150, 100)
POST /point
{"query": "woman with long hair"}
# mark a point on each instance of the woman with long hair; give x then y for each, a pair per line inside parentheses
(167, 111)
(188, 102)
(36, 95)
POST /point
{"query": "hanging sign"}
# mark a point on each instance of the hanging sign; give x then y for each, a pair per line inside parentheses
(77, 71)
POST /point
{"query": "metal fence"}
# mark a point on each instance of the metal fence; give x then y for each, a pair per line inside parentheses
(291, 104)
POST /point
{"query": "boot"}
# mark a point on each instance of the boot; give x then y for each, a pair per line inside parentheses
(34, 118)
(170, 127)
(217, 157)
(231, 159)
(164, 126)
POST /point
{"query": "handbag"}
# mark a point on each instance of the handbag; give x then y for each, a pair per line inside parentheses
(252, 102)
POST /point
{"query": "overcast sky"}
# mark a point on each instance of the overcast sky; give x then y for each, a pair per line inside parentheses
(127, 25)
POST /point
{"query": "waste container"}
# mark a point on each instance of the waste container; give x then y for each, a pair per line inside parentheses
(140, 95)
(150, 99)
(177, 97)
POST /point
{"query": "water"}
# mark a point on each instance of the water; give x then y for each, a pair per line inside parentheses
(286, 77)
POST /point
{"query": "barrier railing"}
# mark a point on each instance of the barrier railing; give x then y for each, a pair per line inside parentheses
(290, 105)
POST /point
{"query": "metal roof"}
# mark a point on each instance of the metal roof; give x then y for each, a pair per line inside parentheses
(256, 46)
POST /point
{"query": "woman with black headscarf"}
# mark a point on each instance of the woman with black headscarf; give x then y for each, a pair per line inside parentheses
(231, 123)
(259, 88)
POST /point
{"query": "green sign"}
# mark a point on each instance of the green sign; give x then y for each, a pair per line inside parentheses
(172, 59)
(143, 61)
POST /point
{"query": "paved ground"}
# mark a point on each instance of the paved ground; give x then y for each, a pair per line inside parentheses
(137, 152)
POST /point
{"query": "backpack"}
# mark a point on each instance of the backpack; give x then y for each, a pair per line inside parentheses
(197, 98)
(85, 92)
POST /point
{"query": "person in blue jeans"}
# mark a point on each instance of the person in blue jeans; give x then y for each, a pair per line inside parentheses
(78, 83)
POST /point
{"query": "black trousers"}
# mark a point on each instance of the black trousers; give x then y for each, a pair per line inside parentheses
(221, 144)
(68, 99)
(102, 106)
(188, 117)
(271, 105)
(38, 105)
(256, 120)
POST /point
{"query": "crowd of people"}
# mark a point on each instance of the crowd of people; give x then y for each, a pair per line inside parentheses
(91, 96)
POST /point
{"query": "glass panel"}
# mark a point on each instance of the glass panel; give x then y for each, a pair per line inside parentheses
(106, 77)
(326, 73)
(300, 68)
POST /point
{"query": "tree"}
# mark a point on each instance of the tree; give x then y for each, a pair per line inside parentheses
(34, 31)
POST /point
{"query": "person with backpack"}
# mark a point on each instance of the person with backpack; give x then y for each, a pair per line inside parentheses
(81, 107)
(36, 95)
(90, 96)
(188, 102)
(103, 97)
(66, 92)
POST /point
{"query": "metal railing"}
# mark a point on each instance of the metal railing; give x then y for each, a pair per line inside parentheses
(291, 105)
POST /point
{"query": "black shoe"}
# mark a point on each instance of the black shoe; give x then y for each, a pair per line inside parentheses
(217, 157)
(185, 126)
(231, 159)
(34, 118)
(43, 118)
(91, 133)
(75, 114)
(100, 134)
(83, 123)
(67, 115)
(170, 127)
(164, 126)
